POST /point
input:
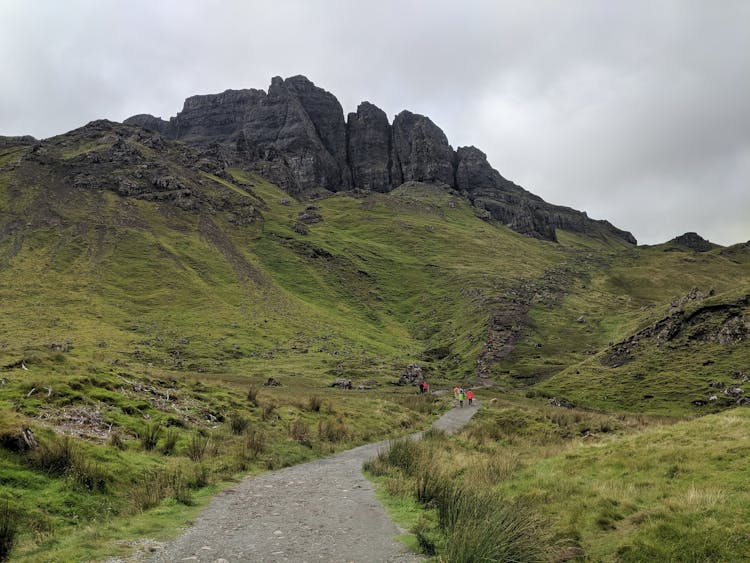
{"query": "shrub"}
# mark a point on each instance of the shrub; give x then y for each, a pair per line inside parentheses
(62, 456)
(404, 454)
(150, 436)
(430, 485)
(426, 538)
(9, 524)
(238, 423)
(492, 471)
(201, 477)
(433, 433)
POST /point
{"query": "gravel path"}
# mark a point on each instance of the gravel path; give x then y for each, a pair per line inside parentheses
(323, 510)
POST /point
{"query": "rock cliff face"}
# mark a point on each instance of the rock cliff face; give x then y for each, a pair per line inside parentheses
(296, 136)
(422, 150)
(369, 148)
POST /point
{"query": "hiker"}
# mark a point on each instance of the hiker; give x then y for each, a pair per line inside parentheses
(470, 396)
(455, 392)
(424, 387)
(461, 397)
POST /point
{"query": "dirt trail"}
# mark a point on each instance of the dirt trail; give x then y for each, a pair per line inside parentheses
(323, 510)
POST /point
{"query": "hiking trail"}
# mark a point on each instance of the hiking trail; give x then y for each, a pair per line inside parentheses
(323, 510)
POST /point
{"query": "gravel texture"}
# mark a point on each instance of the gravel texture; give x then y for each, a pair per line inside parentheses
(323, 510)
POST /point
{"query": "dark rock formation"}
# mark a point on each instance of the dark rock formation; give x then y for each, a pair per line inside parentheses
(16, 141)
(136, 163)
(519, 209)
(370, 148)
(722, 323)
(295, 136)
(693, 241)
(421, 151)
(412, 374)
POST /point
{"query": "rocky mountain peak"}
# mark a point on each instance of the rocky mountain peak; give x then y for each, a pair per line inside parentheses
(295, 135)
(693, 241)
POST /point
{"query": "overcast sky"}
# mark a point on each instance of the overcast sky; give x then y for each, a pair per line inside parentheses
(635, 111)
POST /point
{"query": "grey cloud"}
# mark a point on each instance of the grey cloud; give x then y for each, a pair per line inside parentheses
(635, 112)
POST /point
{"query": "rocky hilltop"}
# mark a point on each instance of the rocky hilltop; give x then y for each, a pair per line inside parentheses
(296, 135)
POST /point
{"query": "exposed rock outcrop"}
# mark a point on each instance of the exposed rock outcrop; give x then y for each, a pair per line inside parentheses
(519, 209)
(693, 241)
(295, 135)
(421, 150)
(370, 148)
(723, 323)
(16, 141)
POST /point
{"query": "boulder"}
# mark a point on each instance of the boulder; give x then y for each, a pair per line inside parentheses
(557, 402)
(412, 375)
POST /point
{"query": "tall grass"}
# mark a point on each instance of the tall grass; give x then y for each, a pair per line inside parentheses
(298, 430)
(62, 456)
(484, 527)
(150, 436)
(238, 423)
(157, 484)
(474, 522)
(9, 524)
(314, 403)
(197, 446)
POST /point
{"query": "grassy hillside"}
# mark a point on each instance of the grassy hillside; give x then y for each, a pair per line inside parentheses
(541, 484)
(149, 293)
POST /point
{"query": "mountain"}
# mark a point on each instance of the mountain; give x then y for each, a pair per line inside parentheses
(150, 248)
(172, 319)
(296, 136)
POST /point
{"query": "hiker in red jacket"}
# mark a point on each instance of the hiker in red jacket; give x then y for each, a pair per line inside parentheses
(470, 396)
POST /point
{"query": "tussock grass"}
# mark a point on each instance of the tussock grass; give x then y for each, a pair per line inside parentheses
(9, 525)
(314, 403)
(472, 523)
(170, 441)
(238, 423)
(252, 395)
(300, 431)
(197, 447)
(332, 430)
(150, 436)
(157, 484)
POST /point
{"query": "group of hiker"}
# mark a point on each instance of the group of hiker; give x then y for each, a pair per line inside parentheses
(459, 393)
(462, 395)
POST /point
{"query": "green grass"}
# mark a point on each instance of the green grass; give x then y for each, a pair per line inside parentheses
(605, 487)
(132, 315)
